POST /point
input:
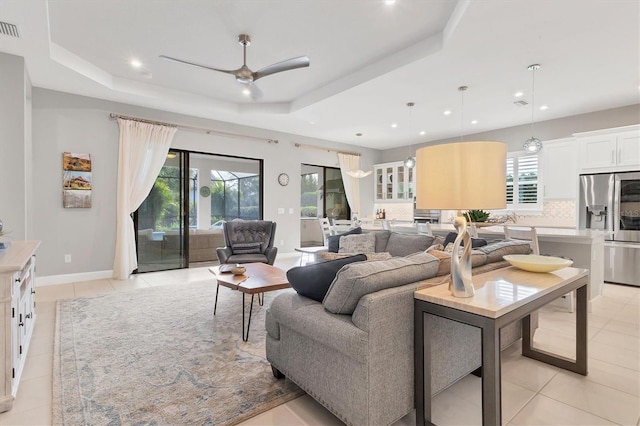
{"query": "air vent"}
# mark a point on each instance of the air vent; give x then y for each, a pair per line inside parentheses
(520, 103)
(9, 29)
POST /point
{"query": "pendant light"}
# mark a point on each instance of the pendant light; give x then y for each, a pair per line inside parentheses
(410, 162)
(532, 144)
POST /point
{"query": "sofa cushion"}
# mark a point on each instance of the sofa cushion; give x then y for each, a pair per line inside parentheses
(405, 244)
(475, 242)
(313, 280)
(333, 242)
(495, 251)
(382, 238)
(358, 279)
(361, 243)
(246, 248)
(478, 258)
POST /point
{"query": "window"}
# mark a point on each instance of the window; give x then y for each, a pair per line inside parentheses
(523, 182)
(309, 199)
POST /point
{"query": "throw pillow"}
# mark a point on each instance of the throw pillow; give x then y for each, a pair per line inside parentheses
(495, 251)
(246, 248)
(313, 280)
(333, 242)
(475, 242)
(359, 279)
(362, 243)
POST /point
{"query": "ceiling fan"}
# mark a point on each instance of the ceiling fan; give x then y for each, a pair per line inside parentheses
(244, 75)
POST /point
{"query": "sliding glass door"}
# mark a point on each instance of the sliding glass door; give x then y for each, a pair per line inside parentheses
(162, 220)
(180, 222)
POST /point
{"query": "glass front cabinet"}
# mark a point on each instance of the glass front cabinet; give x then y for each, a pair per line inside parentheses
(394, 182)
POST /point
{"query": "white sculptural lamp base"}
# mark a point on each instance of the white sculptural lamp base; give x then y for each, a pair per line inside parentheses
(461, 283)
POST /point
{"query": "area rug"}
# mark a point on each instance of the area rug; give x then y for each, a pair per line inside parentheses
(158, 356)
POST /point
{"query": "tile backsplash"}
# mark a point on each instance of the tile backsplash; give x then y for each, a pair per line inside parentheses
(554, 214)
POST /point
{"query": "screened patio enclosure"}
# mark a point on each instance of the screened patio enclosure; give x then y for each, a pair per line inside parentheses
(234, 195)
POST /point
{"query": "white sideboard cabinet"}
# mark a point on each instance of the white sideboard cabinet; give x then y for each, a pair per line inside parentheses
(609, 150)
(18, 314)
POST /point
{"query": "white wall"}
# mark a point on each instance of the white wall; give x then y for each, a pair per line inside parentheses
(64, 122)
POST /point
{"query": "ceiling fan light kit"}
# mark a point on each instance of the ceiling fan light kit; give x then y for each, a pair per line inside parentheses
(244, 75)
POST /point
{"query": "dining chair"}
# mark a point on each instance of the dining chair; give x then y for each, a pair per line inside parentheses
(424, 229)
(530, 234)
(342, 225)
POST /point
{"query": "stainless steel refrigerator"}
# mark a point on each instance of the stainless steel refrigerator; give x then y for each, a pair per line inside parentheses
(611, 202)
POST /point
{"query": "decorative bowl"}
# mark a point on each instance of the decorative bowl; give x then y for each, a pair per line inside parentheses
(536, 263)
(238, 270)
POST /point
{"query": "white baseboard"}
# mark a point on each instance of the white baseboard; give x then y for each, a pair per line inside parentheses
(72, 278)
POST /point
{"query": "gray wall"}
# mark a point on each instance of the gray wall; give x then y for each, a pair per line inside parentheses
(15, 148)
(64, 122)
(544, 130)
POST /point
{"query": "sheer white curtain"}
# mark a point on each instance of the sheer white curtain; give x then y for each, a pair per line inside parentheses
(142, 152)
(351, 163)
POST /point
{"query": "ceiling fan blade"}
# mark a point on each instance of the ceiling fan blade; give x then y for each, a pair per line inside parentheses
(289, 64)
(193, 64)
(254, 91)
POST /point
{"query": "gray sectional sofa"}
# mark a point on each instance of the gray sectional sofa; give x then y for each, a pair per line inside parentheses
(353, 352)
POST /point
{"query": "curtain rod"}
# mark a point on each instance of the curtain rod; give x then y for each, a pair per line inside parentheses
(303, 145)
(192, 128)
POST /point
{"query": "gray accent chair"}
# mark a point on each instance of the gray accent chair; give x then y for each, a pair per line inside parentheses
(248, 241)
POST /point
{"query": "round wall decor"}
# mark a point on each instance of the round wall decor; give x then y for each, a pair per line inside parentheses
(205, 191)
(283, 179)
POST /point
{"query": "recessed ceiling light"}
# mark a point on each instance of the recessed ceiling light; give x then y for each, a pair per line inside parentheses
(518, 94)
(389, 2)
(543, 107)
(474, 121)
(447, 112)
(422, 133)
(394, 125)
(135, 63)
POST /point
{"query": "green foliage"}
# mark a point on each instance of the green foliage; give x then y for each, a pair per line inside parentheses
(309, 198)
(477, 215)
(309, 211)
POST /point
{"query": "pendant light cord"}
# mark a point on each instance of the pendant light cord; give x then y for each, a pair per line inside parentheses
(462, 89)
(533, 69)
(410, 105)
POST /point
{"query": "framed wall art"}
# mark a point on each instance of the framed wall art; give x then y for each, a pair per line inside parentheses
(76, 180)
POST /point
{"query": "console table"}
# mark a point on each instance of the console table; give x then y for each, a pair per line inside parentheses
(502, 297)
(17, 314)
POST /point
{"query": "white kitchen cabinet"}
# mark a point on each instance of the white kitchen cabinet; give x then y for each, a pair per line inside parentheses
(609, 150)
(394, 182)
(18, 314)
(560, 169)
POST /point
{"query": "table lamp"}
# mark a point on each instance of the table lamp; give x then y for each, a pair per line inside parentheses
(461, 176)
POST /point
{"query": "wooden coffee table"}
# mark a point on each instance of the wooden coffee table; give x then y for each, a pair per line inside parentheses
(258, 278)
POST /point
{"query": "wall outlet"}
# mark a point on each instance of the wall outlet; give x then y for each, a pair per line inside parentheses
(280, 210)
(281, 242)
(67, 258)
(290, 210)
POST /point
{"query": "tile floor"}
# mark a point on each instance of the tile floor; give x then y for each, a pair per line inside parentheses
(534, 393)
